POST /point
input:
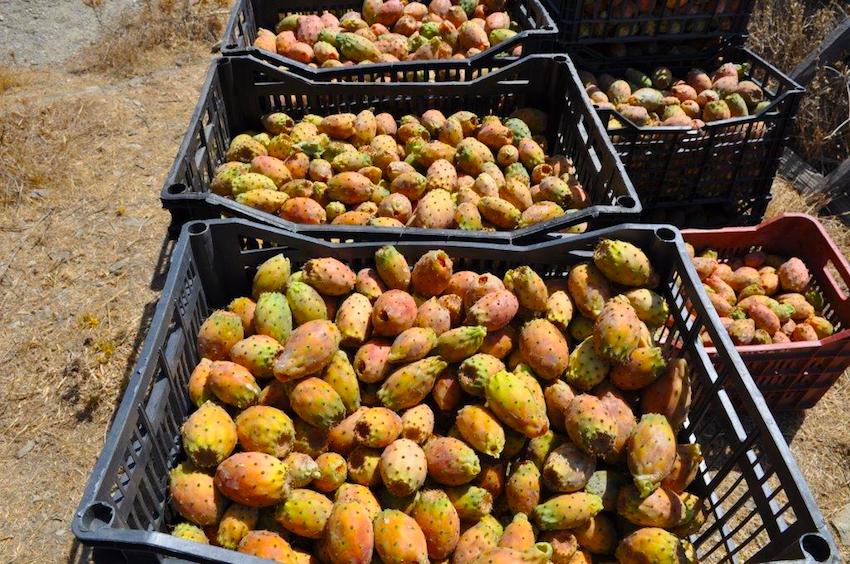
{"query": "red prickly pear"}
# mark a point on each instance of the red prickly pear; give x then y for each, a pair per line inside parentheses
(272, 316)
(475, 370)
(403, 467)
(439, 521)
(377, 427)
(305, 303)
(623, 263)
(641, 368)
(261, 428)
(652, 452)
(209, 435)
(566, 511)
(518, 534)
(477, 539)
(199, 389)
(590, 426)
(233, 384)
(237, 521)
(190, 532)
(218, 334)
(616, 332)
(399, 539)
(589, 289)
(515, 404)
(568, 469)
(349, 535)
(522, 490)
(244, 307)
(254, 479)
(194, 495)
(342, 378)
(529, 288)
(598, 535)
(329, 276)
(271, 276)
(361, 495)
(394, 312)
(256, 353)
(431, 273)
(354, 320)
(457, 344)
(670, 395)
(494, 310)
(544, 348)
(371, 361)
(368, 282)
(412, 345)
(411, 384)
(434, 316)
(480, 428)
(450, 461)
(316, 402)
(308, 350)
(480, 287)
(558, 396)
(266, 545)
(586, 368)
(685, 468)
(661, 508)
(653, 544)
(305, 513)
(618, 407)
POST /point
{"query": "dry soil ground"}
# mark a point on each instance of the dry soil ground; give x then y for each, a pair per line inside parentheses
(83, 154)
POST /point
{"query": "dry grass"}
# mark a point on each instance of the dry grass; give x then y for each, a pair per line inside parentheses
(785, 31)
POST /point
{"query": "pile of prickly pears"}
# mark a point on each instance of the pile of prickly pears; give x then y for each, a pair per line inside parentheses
(421, 413)
(457, 172)
(387, 31)
(763, 298)
(661, 100)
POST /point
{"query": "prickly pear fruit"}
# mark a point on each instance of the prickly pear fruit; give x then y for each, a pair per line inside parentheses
(392, 267)
(417, 423)
(598, 535)
(522, 489)
(412, 345)
(237, 521)
(349, 535)
(606, 484)
(589, 289)
(529, 288)
(233, 384)
(304, 512)
(643, 366)
(590, 426)
(361, 495)
(190, 532)
(368, 282)
(353, 319)
(394, 312)
(586, 368)
(558, 396)
(308, 350)
(661, 508)
(475, 370)
(568, 469)
(218, 333)
(436, 210)
(411, 384)
(433, 315)
(651, 452)
(329, 276)
(564, 546)
(341, 376)
(256, 353)
(515, 404)
(685, 468)
(499, 212)
(305, 303)
(494, 310)
(559, 309)
(566, 511)
(544, 348)
(458, 344)
(403, 467)
(399, 539)
(310, 440)
(480, 428)
(670, 395)
(793, 275)
(254, 479)
(377, 427)
(539, 448)
(272, 316)
(450, 461)
(271, 276)
(333, 470)
(431, 273)
(199, 390)
(194, 495)
(316, 402)
(616, 332)
(209, 435)
(518, 534)
(653, 544)
(370, 361)
(475, 540)
(438, 519)
(649, 306)
(266, 545)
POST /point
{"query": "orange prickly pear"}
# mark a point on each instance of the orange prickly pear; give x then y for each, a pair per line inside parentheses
(218, 334)
(261, 428)
(403, 467)
(266, 545)
(539, 553)
(349, 534)
(308, 350)
(316, 402)
(641, 368)
(377, 427)
(558, 396)
(522, 489)
(620, 410)
(333, 470)
(589, 289)
(398, 538)
(194, 495)
(566, 511)
(244, 307)
(598, 535)
(623, 263)
(199, 389)
(233, 384)
(544, 348)
(568, 468)
(480, 428)
(354, 320)
(411, 384)
(564, 546)
(254, 479)
(190, 532)
(670, 395)
(329, 276)
(652, 452)
(237, 521)
(616, 332)
(530, 153)
(361, 495)
(653, 544)
(590, 426)
(431, 274)
(649, 306)
(518, 534)
(511, 400)
(304, 512)
(451, 461)
(661, 508)
(439, 521)
(685, 468)
(471, 154)
(475, 540)
(436, 210)
(209, 435)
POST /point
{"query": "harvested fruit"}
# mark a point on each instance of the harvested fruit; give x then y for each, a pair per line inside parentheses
(482, 424)
(429, 171)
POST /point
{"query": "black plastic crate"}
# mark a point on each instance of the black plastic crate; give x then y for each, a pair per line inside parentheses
(239, 90)
(610, 22)
(715, 176)
(537, 31)
(760, 506)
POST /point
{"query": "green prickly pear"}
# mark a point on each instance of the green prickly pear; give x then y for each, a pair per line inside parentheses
(209, 435)
(471, 502)
(190, 532)
(623, 263)
(271, 276)
(341, 376)
(566, 511)
(586, 368)
(458, 344)
(272, 316)
(511, 400)
(411, 384)
(305, 303)
(256, 353)
(474, 372)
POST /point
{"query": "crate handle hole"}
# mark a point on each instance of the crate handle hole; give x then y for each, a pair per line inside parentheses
(816, 547)
(97, 516)
(666, 234)
(176, 188)
(232, 45)
(561, 58)
(198, 228)
(626, 201)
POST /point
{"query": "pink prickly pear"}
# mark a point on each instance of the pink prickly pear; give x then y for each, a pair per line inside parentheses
(412, 345)
(433, 315)
(439, 521)
(308, 350)
(480, 428)
(399, 539)
(340, 375)
(371, 361)
(652, 452)
(411, 384)
(329, 276)
(670, 395)
(218, 334)
(305, 513)
(493, 311)
(233, 384)
(544, 348)
(566, 511)
(394, 312)
(369, 283)
(685, 468)
(586, 368)
(209, 435)
(431, 273)
(436, 210)
(616, 332)
(194, 495)
(482, 536)
(254, 479)
(392, 267)
(589, 289)
(480, 287)
(511, 400)
(590, 426)
(653, 544)
(256, 353)
(316, 402)
(354, 320)
(451, 461)
(349, 534)
(377, 427)
(403, 467)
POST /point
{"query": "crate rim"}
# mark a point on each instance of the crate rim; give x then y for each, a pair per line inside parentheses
(626, 205)
(156, 335)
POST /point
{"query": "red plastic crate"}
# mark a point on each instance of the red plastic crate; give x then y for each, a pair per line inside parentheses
(793, 375)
